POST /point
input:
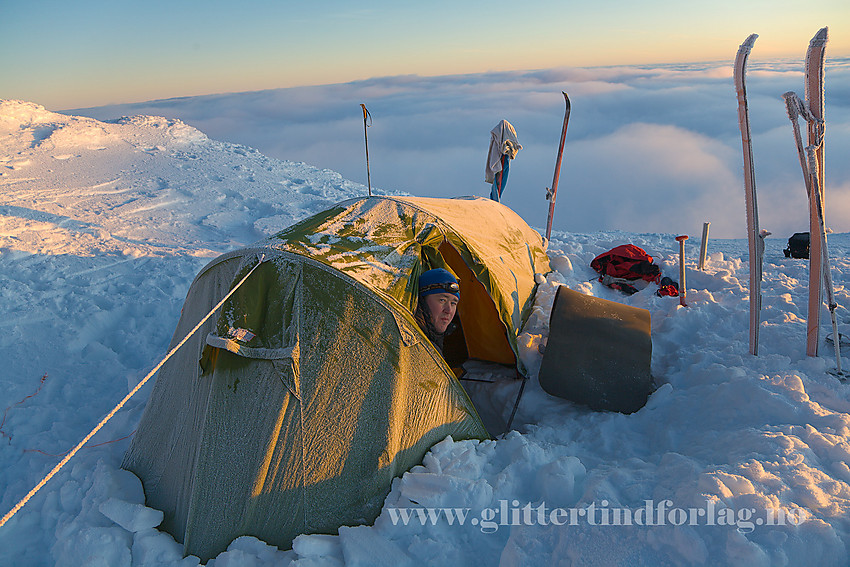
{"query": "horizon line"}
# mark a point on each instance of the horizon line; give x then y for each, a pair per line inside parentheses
(713, 63)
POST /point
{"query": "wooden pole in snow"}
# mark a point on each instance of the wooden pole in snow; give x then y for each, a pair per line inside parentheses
(366, 138)
(682, 286)
(703, 247)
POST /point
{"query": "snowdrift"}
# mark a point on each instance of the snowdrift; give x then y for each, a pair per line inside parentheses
(736, 460)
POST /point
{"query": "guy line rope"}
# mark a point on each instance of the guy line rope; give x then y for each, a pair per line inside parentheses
(109, 416)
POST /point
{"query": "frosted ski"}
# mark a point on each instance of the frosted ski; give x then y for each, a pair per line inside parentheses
(815, 105)
(811, 177)
(756, 244)
(552, 193)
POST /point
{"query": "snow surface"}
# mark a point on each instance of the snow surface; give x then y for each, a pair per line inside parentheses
(103, 226)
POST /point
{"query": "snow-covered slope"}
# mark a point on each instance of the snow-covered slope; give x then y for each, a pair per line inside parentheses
(103, 226)
(143, 186)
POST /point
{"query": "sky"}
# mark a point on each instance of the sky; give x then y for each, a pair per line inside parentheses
(653, 143)
(88, 53)
(649, 149)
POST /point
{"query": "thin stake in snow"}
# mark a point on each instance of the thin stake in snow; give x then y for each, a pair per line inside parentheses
(366, 116)
(115, 410)
(552, 193)
(812, 180)
(703, 246)
(34, 394)
(682, 286)
(750, 193)
(516, 403)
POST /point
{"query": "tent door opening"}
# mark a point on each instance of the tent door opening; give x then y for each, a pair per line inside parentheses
(481, 332)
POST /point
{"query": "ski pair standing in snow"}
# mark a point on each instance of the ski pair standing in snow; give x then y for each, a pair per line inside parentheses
(811, 162)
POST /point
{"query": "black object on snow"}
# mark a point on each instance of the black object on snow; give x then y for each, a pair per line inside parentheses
(798, 246)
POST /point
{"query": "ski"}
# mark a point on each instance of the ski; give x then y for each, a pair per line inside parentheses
(815, 104)
(756, 243)
(811, 177)
(552, 193)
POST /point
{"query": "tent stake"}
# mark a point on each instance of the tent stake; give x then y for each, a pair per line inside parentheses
(516, 404)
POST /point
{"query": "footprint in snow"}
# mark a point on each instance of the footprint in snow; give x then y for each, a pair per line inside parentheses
(310, 190)
(40, 134)
(19, 164)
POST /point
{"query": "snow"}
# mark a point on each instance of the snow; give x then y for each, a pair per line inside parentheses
(103, 226)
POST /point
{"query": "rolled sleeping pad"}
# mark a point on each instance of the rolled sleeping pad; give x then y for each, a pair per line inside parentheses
(598, 354)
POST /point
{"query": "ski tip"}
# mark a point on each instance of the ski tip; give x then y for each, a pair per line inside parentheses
(748, 43)
(744, 49)
(820, 37)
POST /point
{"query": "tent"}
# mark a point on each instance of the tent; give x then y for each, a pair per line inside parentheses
(293, 409)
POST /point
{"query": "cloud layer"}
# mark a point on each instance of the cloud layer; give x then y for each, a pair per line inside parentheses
(649, 149)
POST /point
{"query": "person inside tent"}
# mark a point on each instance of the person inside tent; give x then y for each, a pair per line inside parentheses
(439, 294)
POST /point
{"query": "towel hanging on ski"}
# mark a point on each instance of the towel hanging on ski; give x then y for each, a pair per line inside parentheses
(504, 147)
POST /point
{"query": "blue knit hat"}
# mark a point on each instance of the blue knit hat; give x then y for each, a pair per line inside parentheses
(438, 281)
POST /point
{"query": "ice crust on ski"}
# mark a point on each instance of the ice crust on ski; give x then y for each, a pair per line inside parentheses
(753, 232)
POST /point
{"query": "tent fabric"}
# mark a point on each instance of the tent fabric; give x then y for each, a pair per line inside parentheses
(293, 410)
(386, 242)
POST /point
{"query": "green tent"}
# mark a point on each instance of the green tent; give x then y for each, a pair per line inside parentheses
(294, 410)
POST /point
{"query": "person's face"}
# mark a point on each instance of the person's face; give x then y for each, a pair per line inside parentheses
(442, 307)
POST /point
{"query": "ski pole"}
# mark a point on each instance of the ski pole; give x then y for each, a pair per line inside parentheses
(796, 108)
(682, 287)
(703, 247)
(811, 151)
(552, 194)
(366, 138)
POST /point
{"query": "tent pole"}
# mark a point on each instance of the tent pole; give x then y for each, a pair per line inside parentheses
(518, 396)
